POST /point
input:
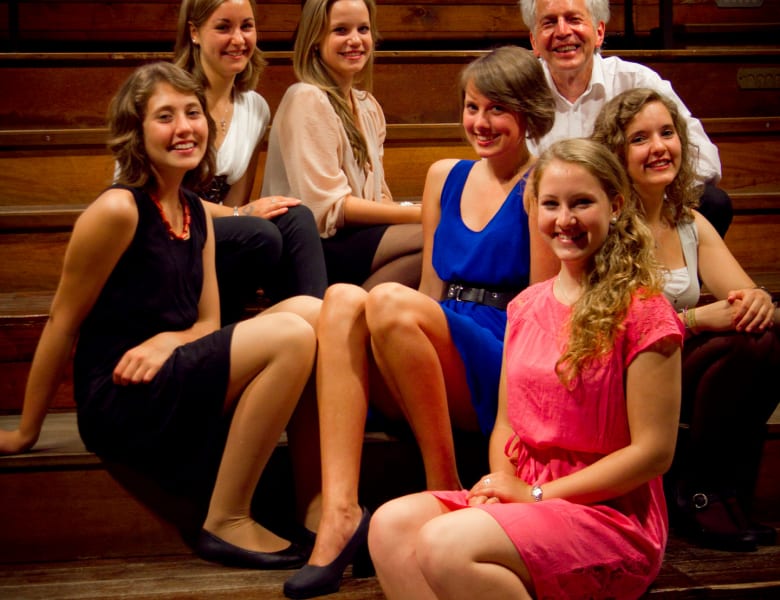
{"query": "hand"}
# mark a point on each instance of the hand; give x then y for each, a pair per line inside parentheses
(268, 207)
(499, 487)
(13, 442)
(754, 309)
(142, 363)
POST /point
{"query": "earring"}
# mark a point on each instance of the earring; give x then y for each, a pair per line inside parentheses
(613, 220)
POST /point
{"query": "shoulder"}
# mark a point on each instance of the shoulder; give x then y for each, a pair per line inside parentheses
(115, 206)
(704, 229)
(438, 173)
(529, 297)
(110, 219)
(441, 168)
(304, 92)
(650, 318)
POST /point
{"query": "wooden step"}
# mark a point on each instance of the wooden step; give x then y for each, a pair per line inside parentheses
(61, 502)
(70, 529)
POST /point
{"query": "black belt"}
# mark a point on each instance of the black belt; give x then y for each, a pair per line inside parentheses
(495, 298)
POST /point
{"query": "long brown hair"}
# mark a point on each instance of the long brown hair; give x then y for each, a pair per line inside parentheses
(187, 53)
(126, 115)
(309, 67)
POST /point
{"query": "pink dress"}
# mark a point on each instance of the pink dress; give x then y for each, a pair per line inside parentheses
(609, 550)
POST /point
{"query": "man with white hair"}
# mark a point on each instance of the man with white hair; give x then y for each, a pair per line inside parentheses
(567, 36)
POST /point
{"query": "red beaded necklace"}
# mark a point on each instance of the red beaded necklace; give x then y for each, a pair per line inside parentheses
(185, 230)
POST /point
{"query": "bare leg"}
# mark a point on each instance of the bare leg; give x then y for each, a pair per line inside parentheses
(303, 429)
(422, 551)
(267, 378)
(398, 257)
(342, 396)
(416, 355)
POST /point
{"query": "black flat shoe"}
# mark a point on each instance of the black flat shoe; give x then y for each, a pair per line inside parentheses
(209, 547)
(313, 581)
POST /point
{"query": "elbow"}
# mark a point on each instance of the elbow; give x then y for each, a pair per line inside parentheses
(659, 461)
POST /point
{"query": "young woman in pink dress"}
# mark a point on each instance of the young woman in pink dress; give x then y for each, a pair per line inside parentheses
(573, 506)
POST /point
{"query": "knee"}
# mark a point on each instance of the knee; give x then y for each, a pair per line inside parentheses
(299, 340)
(388, 307)
(307, 307)
(437, 553)
(342, 305)
(392, 533)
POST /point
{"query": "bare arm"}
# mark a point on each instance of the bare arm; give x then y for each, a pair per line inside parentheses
(430, 283)
(359, 211)
(741, 306)
(653, 407)
(100, 236)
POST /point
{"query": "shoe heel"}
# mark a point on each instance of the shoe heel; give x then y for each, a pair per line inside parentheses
(362, 565)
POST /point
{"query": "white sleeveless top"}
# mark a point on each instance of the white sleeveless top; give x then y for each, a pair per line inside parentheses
(682, 287)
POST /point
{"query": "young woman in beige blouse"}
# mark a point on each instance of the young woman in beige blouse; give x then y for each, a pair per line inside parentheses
(326, 147)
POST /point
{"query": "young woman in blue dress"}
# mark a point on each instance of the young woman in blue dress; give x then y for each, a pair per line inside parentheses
(433, 355)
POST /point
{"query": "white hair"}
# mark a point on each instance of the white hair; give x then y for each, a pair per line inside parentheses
(598, 9)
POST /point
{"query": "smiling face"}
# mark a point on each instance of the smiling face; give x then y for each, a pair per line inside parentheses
(227, 39)
(491, 128)
(565, 36)
(574, 211)
(653, 149)
(175, 130)
(347, 43)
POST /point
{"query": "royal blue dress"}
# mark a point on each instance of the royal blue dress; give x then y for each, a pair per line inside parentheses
(496, 258)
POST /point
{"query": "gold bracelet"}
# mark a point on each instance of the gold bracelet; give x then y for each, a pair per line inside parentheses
(690, 319)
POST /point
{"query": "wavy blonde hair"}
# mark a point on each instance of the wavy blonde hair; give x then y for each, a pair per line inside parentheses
(624, 266)
(682, 195)
(187, 54)
(309, 67)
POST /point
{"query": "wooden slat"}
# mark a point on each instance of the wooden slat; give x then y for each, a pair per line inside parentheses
(709, 82)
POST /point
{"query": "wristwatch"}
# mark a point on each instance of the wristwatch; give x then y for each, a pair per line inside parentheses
(536, 493)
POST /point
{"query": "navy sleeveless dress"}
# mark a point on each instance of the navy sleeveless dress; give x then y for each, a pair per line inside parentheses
(172, 428)
(498, 258)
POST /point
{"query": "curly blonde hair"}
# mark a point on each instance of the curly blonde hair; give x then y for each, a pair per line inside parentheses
(309, 67)
(682, 195)
(624, 266)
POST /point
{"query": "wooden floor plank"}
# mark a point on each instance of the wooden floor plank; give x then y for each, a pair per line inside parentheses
(688, 572)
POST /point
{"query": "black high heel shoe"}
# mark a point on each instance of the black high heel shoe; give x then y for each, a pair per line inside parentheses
(313, 581)
(210, 547)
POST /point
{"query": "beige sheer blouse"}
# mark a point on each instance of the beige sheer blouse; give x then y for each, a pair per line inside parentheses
(309, 155)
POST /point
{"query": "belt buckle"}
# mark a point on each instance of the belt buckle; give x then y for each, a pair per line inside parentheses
(454, 291)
